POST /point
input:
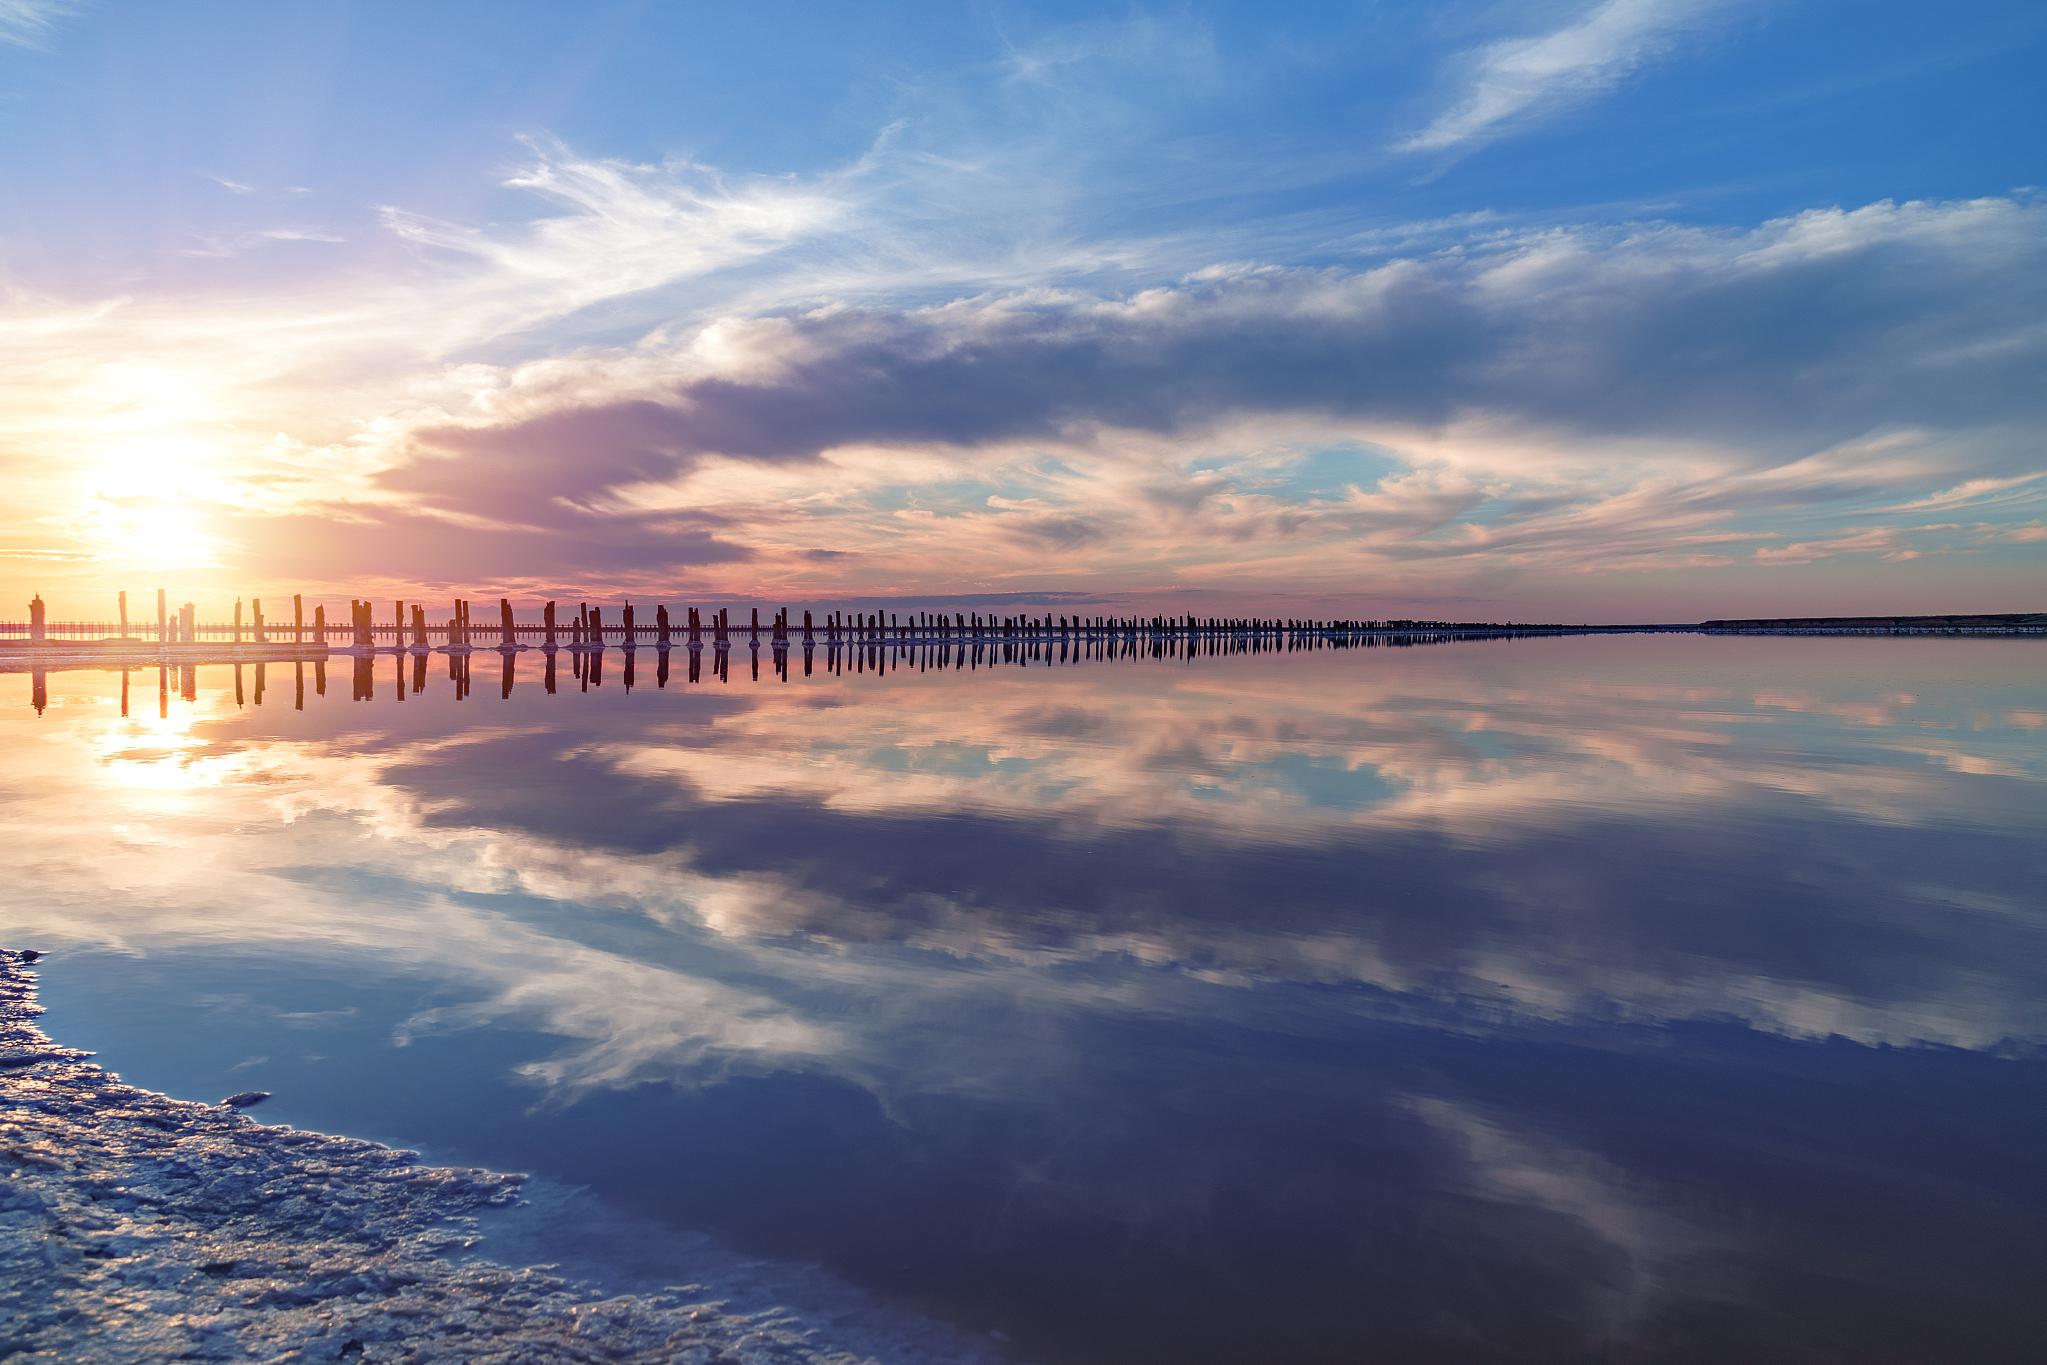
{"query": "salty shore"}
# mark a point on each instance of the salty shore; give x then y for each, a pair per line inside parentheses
(135, 1227)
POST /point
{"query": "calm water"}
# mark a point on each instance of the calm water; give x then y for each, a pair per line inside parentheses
(1659, 998)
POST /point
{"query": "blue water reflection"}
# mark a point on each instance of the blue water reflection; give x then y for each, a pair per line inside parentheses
(1657, 998)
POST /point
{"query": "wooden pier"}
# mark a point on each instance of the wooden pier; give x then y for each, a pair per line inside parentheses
(253, 636)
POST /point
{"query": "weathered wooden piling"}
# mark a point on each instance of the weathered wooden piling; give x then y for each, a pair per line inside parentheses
(298, 622)
(418, 626)
(255, 614)
(548, 616)
(506, 639)
(626, 624)
(661, 638)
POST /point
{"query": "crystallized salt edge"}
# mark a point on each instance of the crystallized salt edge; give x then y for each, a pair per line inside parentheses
(134, 1227)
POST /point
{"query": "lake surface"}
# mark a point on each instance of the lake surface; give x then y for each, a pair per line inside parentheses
(1662, 998)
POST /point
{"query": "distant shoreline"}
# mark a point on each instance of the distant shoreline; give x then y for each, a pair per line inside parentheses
(19, 655)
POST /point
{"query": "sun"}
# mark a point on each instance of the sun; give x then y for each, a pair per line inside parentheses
(150, 533)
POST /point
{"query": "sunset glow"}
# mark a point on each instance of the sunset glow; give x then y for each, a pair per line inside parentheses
(992, 330)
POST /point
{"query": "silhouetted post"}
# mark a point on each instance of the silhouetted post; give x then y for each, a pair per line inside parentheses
(756, 628)
(661, 635)
(255, 613)
(38, 625)
(627, 624)
(320, 625)
(597, 627)
(505, 640)
(398, 636)
(806, 628)
(418, 626)
(298, 625)
(188, 624)
(124, 635)
(547, 615)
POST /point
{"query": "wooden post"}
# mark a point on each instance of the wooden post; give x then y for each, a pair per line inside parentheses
(298, 625)
(547, 615)
(627, 625)
(597, 627)
(162, 621)
(255, 610)
(124, 628)
(661, 632)
(238, 626)
(418, 627)
(38, 625)
(505, 640)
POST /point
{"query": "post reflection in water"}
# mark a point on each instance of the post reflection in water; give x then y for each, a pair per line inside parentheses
(1648, 998)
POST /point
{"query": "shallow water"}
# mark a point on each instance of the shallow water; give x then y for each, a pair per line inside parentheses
(1660, 997)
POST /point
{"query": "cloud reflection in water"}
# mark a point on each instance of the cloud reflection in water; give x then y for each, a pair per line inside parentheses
(1527, 965)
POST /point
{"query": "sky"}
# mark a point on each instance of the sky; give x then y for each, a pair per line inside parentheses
(1526, 310)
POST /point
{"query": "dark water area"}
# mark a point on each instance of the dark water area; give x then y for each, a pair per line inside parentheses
(1656, 998)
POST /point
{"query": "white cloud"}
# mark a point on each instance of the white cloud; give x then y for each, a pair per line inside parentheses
(1517, 81)
(29, 23)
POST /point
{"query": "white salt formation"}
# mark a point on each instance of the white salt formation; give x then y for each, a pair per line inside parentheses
(137, 1227)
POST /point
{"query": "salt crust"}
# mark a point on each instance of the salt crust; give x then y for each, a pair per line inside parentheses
(135, 1227)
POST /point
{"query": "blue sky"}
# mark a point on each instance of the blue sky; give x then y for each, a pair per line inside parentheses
(1570, 308)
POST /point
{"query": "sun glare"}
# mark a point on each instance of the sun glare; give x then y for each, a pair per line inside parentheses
(150, 534)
